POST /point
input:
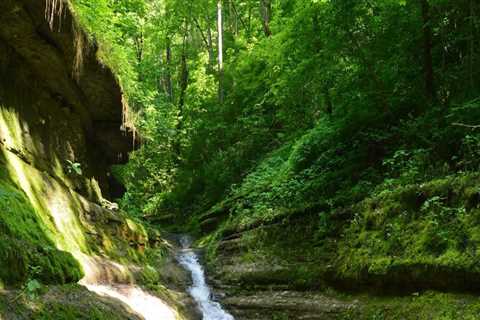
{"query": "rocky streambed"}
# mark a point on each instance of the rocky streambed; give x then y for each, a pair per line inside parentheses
(219, 298)
(255, 290)
(199, 289)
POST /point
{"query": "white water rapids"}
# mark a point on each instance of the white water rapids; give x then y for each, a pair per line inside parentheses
(201, 293)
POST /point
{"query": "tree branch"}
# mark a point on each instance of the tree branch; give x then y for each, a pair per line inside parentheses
(204, 38)
(473, 127)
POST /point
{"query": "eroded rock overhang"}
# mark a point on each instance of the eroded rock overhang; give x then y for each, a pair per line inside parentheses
(59, 104)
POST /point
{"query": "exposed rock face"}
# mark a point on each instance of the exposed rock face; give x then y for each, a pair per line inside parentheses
(260, 289)
(61, 114)
(287, 305)
(58, 103)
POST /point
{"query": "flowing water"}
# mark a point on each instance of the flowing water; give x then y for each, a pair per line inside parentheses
(110, 279)
(200, 291)
(153, 308)
(139, 301)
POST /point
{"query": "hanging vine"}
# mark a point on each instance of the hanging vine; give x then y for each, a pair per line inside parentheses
(53, 9)
(81, 48)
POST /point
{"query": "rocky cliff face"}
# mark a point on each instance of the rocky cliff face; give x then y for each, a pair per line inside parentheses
(60, 130)
(59, 104)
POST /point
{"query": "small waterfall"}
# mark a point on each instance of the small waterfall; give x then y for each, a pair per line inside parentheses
(112, 280)
(141, 302)
(201, 293)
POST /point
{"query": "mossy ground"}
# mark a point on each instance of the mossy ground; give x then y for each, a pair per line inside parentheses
(68, 302)
(44, 223)
(428, 305)
(332, 305)
(434, 227)
(39, 215)
(424, 236)
(387, 251)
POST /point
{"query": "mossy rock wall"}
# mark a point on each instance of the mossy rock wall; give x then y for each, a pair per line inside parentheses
(61, 115)
(26, 241)
(417, 236)
(411, 238)
(46, 224)
(55, 109)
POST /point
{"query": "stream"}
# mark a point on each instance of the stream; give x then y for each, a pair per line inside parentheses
(138, 300)
(150, 307)
(199, 290)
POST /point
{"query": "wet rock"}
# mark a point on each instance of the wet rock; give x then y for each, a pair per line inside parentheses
(287, 304)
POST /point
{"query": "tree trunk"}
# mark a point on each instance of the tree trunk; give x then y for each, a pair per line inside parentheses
(249, 30)
(207, 40)
(266, 11)
(235, 18)
(183, 78)
(220, 51)
(168, 64)
(183, 81)
(211, 54)
(356, 50)
(238, 17)
(427, 51)
(472, 45)
(139, 44)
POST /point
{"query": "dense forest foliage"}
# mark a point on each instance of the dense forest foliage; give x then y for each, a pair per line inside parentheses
(292, 102)
(323, 153)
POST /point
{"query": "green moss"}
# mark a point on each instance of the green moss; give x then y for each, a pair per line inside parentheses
(149, 277)
(25, 241)
(67, 302)
(430, 305)
(415, 229)
(415, 237)
(73, 312)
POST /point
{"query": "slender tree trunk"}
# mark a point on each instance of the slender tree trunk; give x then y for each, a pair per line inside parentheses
(211, 54)
(220, 51)
(168, 76)
(230, 17)
(183, 79)
(472, 44)
(139, 44)
(235, 18)
(266, 11)
(249, 30)
(207, 40)
(427, 51)
(238, 17)
(356, 50)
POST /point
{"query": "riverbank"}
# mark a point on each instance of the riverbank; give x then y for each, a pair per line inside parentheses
(267, 288)
(261, 277)
(156, 287)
